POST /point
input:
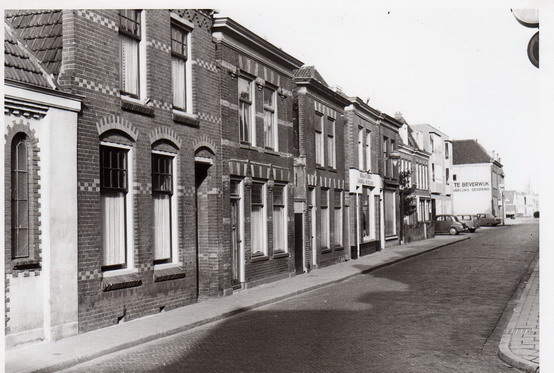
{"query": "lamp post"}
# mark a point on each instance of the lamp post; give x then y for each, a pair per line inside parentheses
(394, 156)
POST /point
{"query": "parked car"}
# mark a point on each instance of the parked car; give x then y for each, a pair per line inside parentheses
(449, 224)
(488, 219)
(471, 221)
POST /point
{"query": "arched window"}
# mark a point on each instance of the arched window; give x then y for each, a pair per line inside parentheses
(20, 197)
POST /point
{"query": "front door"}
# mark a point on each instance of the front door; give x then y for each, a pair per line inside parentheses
(298, 243)
(235, 236)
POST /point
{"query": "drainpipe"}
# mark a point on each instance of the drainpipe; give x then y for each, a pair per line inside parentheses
(357, 224)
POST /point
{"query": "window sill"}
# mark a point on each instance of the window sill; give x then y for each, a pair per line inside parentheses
(271, 151)
(319, 167)
(389, 238)
(280, 254)
(325, 250)
(123, 281)
(185, 118)
(339, 248)
(258, 258)
(136, 106)
(249, 147)
(331, 169)
(170, 273)
(25, 263)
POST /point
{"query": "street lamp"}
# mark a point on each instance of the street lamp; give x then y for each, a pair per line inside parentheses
(394, 156)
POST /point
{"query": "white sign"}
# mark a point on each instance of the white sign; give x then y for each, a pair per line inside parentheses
(472, 186)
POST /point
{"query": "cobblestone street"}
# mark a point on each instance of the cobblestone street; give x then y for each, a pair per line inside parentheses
(440, 312)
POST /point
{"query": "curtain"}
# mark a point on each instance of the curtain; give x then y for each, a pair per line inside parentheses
(244, 113)
(178, 66)
(268, 120)
(325, 227)
(113, 227)
(319, 148)
(130, 65)
(338, 226)
(162, 226)
(257, 219)
(279, 228)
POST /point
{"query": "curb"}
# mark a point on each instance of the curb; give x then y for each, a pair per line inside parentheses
(82, 359)
(504, 352)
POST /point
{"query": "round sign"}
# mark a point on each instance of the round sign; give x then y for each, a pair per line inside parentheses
(533, 50)
(527, 17)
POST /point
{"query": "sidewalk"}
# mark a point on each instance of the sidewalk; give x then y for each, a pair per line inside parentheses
(54, 356)
(519, 345)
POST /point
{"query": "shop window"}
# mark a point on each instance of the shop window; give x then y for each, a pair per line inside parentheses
(390, 213)
(365, 214)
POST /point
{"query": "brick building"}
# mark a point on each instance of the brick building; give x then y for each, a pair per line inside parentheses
(417, 226)
(149, 176)
(257, 152)
(40, 181)
(365, 179)
(320, 172)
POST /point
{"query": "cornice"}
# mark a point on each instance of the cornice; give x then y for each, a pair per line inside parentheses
(227, 26)
(323, 91)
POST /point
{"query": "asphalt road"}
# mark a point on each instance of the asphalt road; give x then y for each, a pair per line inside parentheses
(438, 312)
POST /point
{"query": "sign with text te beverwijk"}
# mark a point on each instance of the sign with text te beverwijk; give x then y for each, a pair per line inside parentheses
(472, 186)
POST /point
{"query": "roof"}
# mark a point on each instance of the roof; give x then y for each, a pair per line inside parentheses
(41, 30)
(469, 151)
(19, 63)
(310, 72)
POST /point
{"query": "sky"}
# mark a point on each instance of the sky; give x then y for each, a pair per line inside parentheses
(463, 71)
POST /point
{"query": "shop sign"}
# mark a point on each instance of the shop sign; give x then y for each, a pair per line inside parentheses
(472, 186)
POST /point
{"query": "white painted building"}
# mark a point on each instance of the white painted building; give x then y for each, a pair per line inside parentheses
(478, 180)
(433, 141)
(40, 207)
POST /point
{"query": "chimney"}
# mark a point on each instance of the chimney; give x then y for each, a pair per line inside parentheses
(398, 115)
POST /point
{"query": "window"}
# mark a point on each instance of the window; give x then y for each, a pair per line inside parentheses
(447, 176)
(257, 219)
(130, 36)
(20, 198)
(365, 214)
(454, 177)
(162, 192)
(446, 151)
(113, 192)
(246, 123)
(432, 143)
(331, 156)
(180, 68)
(390, 213)
(337, 231)
(361, 157)
(270, 125)
(319, 151)
(279, 219)
(324, 222)
(433, 171)
(368, 150)
(386, 156)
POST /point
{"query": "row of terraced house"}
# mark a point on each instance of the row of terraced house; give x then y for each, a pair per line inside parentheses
(156, 158)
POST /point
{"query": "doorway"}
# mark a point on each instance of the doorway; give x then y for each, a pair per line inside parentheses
(202, 222)
(299, 243)
(236, 235)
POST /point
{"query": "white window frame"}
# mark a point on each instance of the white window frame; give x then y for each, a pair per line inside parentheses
(325, 235)
(368, 150)
(331, 144)
(273, 109)
(129, 214)
(338, 243)
(187, 28)
(264, 250)
(361, 158)
(285, 248)
(320, 153)
(252, 111)
(174, 213)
